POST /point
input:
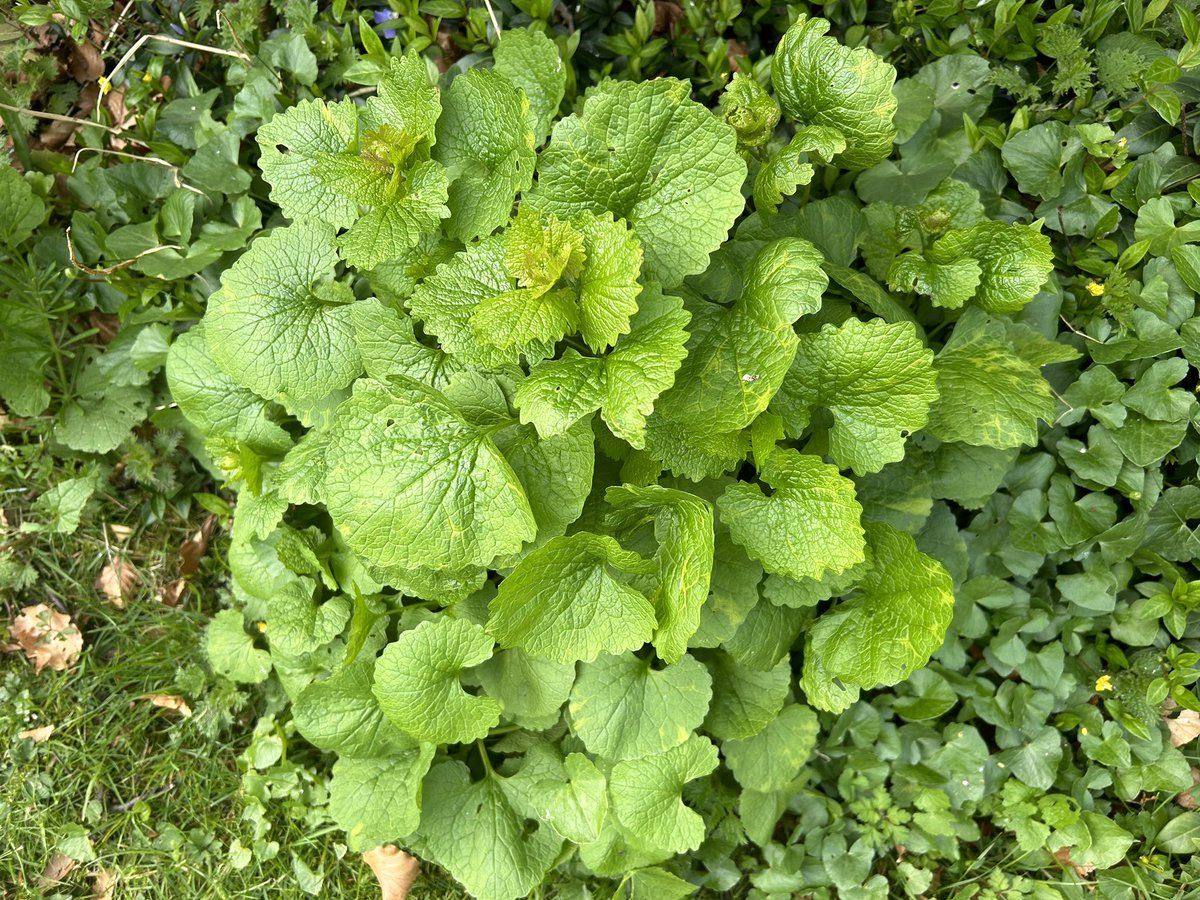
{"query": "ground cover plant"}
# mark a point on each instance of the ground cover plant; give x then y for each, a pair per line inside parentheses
(778, 485)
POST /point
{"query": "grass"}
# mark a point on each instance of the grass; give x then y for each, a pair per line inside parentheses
(141, 793)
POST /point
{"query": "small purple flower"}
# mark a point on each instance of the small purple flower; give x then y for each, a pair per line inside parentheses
(175, 28)
(385, 15)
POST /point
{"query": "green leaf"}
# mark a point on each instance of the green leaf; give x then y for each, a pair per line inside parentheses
(623, 384)
(278, 325)
(61, 506)
(745, 700)
(441, 496)
(1013, 260)
(473, 831)
(788, 168)
(23, 210)
(231, 651)
(531, 690)
(341, 715)
(753, 113)
(531, 61)
(654, 883)
(895, 620)
(621, 708)
(418, 687)
(738, 356)
(608, 284)
(567, 601)
(771, 759)
(402, 214)
(949, 283)
(876, 379)
(388, 346)
(1171, 531)
(989, 395)
(646, 796)
(296, 623)
(683, 528)
(485, 142)
(214, 402)
(820, 82)
(808, 525)
(572, 794)
(647, 153)
(378, 800)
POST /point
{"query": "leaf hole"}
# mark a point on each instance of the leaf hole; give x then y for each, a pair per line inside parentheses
(954, 85)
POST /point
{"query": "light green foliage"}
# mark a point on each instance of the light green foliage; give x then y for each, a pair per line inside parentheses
(231, 651)
(418, 688)
(789, 167)
(646, 796)
(676, 182)
(279, 324)
(24, 211)
(876, 379)
(378, 800)
(896, 619)
(532, 62)
(769, 760)
(751, 111)
(820, 82)
(808, 525)
(621, 708)
(568, 601)
(463, 510)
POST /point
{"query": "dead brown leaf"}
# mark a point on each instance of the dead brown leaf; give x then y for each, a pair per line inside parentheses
(1187, 799)
(121, 532)
(104, 883)
(1063, 855)
(169, 701)
(86, 64)
(56, 870)
(394, 869)
(117, 581)
(1184, 728)
(193, 549)
(171, 594)
(37, 735)
(47, 637)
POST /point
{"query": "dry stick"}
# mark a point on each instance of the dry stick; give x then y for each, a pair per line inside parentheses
(108, 270)
(492, 16)
(154, 160)
(57, 118)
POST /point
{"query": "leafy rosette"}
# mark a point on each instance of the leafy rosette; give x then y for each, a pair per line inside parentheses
(549, 487)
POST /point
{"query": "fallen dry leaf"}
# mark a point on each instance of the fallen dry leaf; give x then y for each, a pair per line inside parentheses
(394, 869)
(193, 549)
(1184, 728)
(117, 581)
(104, 883)
(86, 64)
(56, 870)
(171, 594)
(37, 735)
(1187, 799)
(48, 637)
(169, 701)
(1063, 855)
(121, 532)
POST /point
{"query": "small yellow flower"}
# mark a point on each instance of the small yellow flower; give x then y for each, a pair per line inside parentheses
(105, 85)
(1095, 288)
(1083, 731)
(1103, 683)
(146, 78)
(261, 626)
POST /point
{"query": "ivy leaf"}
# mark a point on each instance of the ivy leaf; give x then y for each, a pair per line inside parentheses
(485, 142)
(647, 153)
(646, 796)
(876, 379)
(566, 601)
(893, 623)
(442, 495)
(809, 524)
(818, 81)
(621, 708)
(471, 829)
(623, 384)
(683, 529)
(278, 325)
(418, 688)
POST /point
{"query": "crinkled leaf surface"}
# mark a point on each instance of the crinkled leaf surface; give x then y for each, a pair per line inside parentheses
(567, 601)
(341, 714)
(808, 525)
(622, 708)
(877, 380)
(821, 82)
(648, 154)
(531, 61)
(769, 760)
(378, 800)
(418, 687)
(441, 495)
(278, 325)
(622, 384)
